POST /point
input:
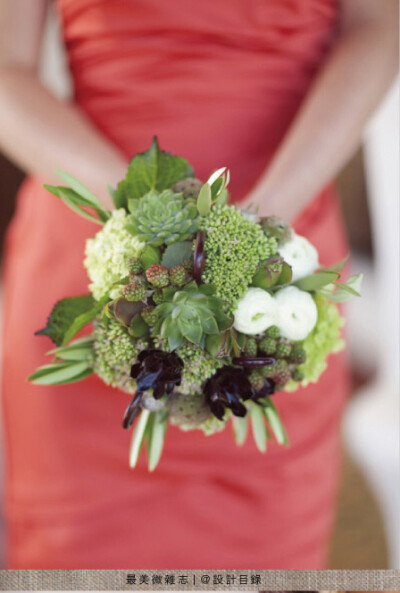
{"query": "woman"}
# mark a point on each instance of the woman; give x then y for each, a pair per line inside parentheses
(278, 91)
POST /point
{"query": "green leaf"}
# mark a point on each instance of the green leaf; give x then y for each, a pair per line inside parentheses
(138, 437)
(258, 427)
(176, 253)
(316, 281)
(72, 199)
(344, 291)
(138, 327)
(80, 349)
(150, 256)
(240, 429)
(215, 344)
(336, 267)
(209, 326)
(113, 193)
(62, 316)
(83, 319)
(152, 169)
(190, 327)
(285, 276)
(80, 189)
(59, 373)
(156, 439)
(204, 200)
(275, 423)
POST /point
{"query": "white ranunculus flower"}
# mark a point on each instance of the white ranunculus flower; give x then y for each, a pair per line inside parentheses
(296, 313)
(300, 255)
(255, 312)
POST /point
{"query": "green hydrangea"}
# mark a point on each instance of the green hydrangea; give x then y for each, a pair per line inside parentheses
(199, 366)
(107, 252)
(324, 339)
(234, 246)
(115, 352)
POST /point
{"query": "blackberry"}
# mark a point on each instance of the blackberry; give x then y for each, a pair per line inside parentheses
(251, 347)
(135, 291)
(297, 375)
(157, 275)
(283, 349)
(298, 354)
(256, 378)
(177, 275)
(273, 332)
(157, 297)
(134, 265)
(148, 315)
(268, 346)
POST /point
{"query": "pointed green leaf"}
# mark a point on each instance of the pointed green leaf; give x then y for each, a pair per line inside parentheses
(63, 314)
(59, 373)
(152, 169)
(79, 188)
(209, 326)
(344, 291)
(156, 439)
(316, 281)
(215, 344)
(138, 437)
(275, 423)
(258, 427)
(176, 253)
(138, 327)
(204, 200)
(80, 349)
(190, 328)
(336, 267)
(285, 276)
(82, 320)
(150, 256)
(240, 429)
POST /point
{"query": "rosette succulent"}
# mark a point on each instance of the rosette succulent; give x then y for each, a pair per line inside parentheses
(162, 218)
(190, 313)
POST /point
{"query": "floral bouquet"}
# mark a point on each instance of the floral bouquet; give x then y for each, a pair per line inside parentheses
(197, 309)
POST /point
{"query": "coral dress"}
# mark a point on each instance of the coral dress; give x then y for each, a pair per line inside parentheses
(219, 82)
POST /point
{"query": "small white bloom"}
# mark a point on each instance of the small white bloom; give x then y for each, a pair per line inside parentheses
(300, 255)
(296, 313)
(255, 312)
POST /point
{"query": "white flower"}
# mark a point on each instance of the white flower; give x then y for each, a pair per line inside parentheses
(300, 255)
(296, 313)
(107, 251)
(255, 312)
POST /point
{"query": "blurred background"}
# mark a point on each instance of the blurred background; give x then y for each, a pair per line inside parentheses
(367, 531)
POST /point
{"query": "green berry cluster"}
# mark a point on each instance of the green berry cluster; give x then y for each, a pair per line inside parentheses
(288, 356)
(199, 366)
(234, 247)
(115, 352)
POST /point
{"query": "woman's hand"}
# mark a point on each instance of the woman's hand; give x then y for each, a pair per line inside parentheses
(328, 127)
(37, 131)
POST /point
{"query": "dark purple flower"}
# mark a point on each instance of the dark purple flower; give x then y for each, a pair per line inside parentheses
(225, 389)
(156, 370)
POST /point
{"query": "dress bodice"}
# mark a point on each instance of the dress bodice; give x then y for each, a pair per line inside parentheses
(218, 81)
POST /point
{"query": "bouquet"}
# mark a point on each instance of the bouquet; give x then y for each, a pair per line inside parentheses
(197, 309)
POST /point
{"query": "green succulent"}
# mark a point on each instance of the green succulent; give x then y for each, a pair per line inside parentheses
(162, 218)
(190, 314)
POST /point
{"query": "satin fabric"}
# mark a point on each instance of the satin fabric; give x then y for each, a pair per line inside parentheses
(219, 82)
